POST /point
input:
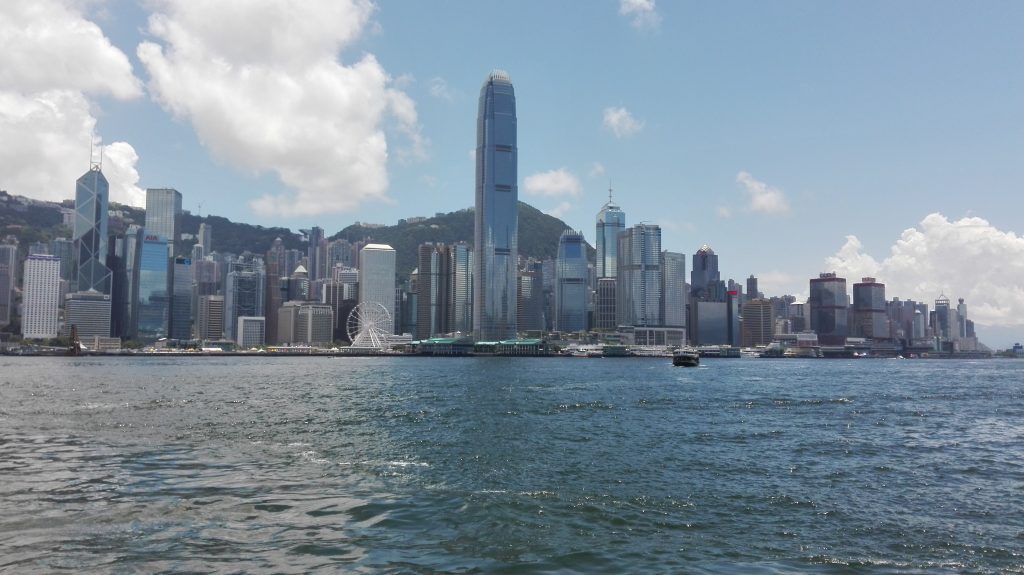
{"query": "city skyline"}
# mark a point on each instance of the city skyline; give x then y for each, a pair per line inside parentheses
(867, 140)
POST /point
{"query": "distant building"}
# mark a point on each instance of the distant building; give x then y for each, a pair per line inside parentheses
(181, 299)
(433, 285)
(639, 276)
(41, 297)
(571, 290)
(154, 296)
(8, 269)
(705, 279)
(752, 292)
(306, 323)
(531, 297)
(251, 331)
(829, 308)
(460, 257)
(316, 256)
(870, 319)
(205, 237)
(244, 295)
(377, 278)
(89, 312)
(604, 314)
(90, 233)
(163, 214)
(758, 325)
(210, 318)
(673, 291)
(611, 221)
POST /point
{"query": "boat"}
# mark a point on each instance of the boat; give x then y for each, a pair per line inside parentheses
(686, 357)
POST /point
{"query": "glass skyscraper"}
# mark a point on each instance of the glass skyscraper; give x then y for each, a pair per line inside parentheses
(571, 283)
(90, 232)
(704, 277)
(611, 221)
(163, 213)
(497, 212)
(154, 303)
(639, 276)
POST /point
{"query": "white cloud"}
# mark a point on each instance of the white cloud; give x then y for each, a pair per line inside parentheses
(723, 212)
(553, 183)
(779, 282)
(643, 12)
(763, 198)
(621, 122)
(596, 170)
(440, 90)
(271, 95)
(52, 59)
(966, 258)
(560, 210)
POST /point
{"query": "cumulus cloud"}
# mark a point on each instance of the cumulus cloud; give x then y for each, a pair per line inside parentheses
(440, 90)
(621, 122)
(596, 170)
(52, 60)
(263, 87)
(763, 198)
(968, 258)
(560, 210)
(553, 183)
(644, 14)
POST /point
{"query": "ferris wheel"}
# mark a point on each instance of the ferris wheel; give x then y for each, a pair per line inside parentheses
(369, 326)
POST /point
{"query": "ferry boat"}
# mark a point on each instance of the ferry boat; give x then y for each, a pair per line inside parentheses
(686, 357)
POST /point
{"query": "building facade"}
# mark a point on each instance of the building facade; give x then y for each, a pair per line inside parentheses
(377, 278)
(154, 296)
(639, 280)
(611, 221)
(90, 233)
(673, 292)
(758, 325)
(163, 214)
(8, 269)
(870, 319)
(571, 290)
(829, 309)
(41, 297)
(496, 217)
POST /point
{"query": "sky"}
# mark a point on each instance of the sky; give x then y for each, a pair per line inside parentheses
(793, 137)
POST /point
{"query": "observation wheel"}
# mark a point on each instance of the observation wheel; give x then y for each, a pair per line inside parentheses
(369, 326)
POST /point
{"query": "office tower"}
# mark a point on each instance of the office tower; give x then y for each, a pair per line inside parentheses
(181, 299)
(709, 322)
(798, 317)
(163, 214)
(133, 241)
(296, 287)
(154, 297)
(460, 289)
(571, 290)
(64, 249)
(89, 312)
(314, 324)
(117, 245)
(673, 291)
(377, 278)
(315, 253)
(752, 292)
(90, 233)
(704, 277)
(639, 276)
(210, 318)
(758, 325)
(496, 218)
(604, 313)
(206, 237)
(829, 306)
(244, 295)
(944, 323)
(8, 269)
(869, 310)
(276, 262)
(40, 297)
(251, 331)
(961, 316)
(531, 297)
(433, 290)
(611, 221)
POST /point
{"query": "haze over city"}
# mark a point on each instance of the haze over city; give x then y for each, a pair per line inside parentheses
(794, 138)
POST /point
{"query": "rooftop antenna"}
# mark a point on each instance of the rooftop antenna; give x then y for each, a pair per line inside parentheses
(93, 164)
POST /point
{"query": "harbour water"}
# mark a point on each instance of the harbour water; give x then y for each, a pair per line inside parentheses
(510, 465)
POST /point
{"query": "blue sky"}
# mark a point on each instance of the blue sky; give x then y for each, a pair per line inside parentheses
(793, 137)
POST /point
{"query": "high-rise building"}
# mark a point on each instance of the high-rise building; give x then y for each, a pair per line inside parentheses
(869, 310)
(88, 312)
(40, 297)
(210, 318)
(758, 326)
(705, 281)
(377, 278)
(251, 331)
(639, 276)
(604, 313)
(752, 292)
(8, 269)
(829, 309)
(673, 290)
(496, 218)
(460, 257)
(206, 237)
(531, 297)
(244, 295)
(181, 299)
(316, 254)
(154, 293)
(306, 323)
(944, 324)
(571, 290)
(611, 221)
(433, 283)
(276, 269)
(64, 249)
(133, 240)
(90, 233)
(163, 214)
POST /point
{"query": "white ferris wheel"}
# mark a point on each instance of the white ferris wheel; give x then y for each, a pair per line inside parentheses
(369, 326)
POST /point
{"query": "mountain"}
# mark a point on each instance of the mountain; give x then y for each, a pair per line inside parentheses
(538, 234)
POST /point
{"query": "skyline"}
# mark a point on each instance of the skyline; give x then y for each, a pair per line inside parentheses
(870, 140)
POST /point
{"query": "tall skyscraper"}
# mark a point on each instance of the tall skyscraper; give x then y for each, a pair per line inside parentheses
(752, 292)
(377, 277)
(829, 309)
(40, 297)
(210, 318)
(206, 237)
(316, 254)
(163, 214)
(639, 276)
(869, 310)
(154, 298)
(496, 217)
(244, 297)
(705, 281)
(432, 290)
(181, 299)
(758, 327)
(611, 221)
(461, 290)
(8, 263)
(673, 290)
(604, 312)
(571, 291)
(531, 297)
(90, 232)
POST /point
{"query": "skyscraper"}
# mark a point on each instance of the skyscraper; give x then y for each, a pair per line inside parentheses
(90, 234)
(571, 291)
(181, 299)
(704, 277)
(8, 261)
(316, 254)
(163, 214)
(154, 298)
(244, 298)
(40, 296)
(829, 309)
(461, 291)
(639, 276)
(673, 290)
(869, 310)
(611, 221)
(432, 290)
(758, 325)
(496, 217)
(206, 237)
(377, 277)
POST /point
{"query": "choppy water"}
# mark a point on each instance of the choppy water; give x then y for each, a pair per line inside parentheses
(412, 465)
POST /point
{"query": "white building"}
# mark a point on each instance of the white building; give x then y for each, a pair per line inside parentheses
(252, 331)
(377, 278)
(41, 297)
